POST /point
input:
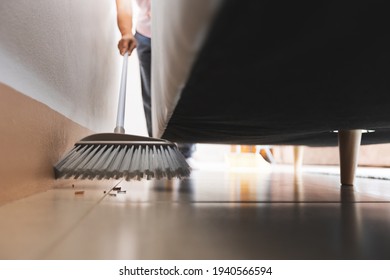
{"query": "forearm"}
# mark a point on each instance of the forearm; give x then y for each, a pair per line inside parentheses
(124, 17)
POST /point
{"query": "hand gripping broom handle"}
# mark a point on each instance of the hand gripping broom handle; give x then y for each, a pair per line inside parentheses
(120, 118)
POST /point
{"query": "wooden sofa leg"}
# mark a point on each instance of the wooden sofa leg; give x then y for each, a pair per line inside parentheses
(298, 158)
(349, 144)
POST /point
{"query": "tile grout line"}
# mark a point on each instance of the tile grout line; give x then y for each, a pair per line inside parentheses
(292, 202)
(56, 242)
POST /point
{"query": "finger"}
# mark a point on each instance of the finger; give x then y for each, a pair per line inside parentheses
(132, 47)
(122, 50)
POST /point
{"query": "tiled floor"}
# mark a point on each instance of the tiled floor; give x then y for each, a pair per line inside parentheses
(214, 214)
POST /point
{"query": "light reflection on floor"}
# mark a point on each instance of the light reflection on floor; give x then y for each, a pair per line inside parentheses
(214, 214)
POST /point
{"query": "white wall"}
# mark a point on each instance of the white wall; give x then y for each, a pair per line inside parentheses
(64, 54)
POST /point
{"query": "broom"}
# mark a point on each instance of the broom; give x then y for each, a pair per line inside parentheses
(118, 155)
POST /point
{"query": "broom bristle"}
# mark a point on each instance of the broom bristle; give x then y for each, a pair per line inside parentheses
(99, 161)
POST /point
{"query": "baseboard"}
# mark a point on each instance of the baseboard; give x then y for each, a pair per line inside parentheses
(369, 155)
(32, 139)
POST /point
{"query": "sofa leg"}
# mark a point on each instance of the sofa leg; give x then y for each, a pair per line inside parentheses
(298, 158)
(349, 144)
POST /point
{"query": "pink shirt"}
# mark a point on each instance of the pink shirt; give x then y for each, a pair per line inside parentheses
(143, 25)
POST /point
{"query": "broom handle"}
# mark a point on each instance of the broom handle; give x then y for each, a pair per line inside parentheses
(120, 118)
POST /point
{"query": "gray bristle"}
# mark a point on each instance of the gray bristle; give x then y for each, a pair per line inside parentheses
(122, 161)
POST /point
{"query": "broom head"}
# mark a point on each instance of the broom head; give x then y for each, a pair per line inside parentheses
(115, 156)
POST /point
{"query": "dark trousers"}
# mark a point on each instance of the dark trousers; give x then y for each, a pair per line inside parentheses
(144, 51)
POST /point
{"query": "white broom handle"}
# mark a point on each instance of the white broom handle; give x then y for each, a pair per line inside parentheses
(120, 118)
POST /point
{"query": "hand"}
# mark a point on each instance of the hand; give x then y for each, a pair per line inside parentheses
(127, 44)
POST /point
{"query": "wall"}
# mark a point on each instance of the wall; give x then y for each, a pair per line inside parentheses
(62, 53)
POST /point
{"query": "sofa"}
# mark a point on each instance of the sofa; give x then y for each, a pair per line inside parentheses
(311, 73)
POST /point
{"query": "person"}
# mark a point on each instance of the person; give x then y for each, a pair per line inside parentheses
(141, 40)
